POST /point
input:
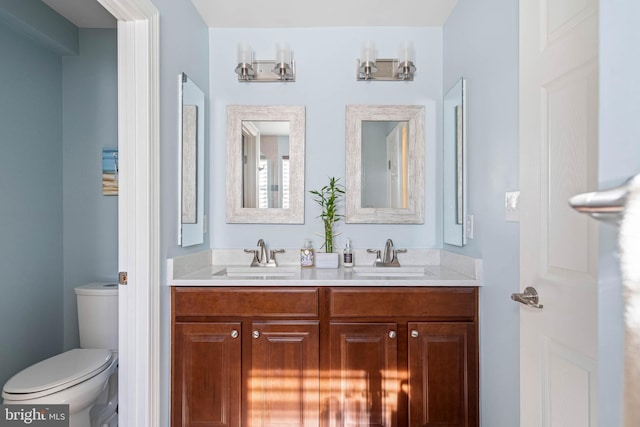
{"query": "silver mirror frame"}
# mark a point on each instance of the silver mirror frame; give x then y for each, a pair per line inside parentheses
(414, 116)
(191, 231)
(295, 115)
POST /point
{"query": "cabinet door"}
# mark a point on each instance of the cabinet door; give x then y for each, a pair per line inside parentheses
(206, 375)
(363, 376)
(284, 376)
(443, 374)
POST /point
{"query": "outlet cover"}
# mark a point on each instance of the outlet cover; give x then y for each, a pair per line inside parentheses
(469, 227)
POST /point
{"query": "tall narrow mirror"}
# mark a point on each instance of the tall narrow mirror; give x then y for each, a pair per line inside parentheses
(265, 164)
(191, 162)
(454, 164)
(385, 164)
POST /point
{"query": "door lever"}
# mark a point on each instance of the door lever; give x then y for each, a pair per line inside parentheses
(606, 205)
(529, 298)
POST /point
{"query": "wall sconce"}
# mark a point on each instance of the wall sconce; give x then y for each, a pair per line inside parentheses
(281, 69)
(372, 68)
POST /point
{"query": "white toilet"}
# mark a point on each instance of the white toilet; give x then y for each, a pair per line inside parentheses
(85, 378)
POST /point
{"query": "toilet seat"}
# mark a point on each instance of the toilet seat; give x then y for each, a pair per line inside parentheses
(57, 373)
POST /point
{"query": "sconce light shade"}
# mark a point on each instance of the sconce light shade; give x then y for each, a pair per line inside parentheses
(245, 60)
(372, 68)
(367, 66)
(283, 61)
(407, 52)
(282, 69)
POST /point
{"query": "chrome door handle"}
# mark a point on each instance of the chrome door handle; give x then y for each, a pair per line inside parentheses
(529, 298)
(605, 205)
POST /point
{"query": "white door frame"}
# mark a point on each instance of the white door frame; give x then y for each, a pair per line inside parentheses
(138, 211)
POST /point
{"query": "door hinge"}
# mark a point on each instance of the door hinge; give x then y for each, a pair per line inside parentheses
(122, 277)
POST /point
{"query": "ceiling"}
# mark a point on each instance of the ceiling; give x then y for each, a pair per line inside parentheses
(283, 13)
(83, 13)
(324, 13)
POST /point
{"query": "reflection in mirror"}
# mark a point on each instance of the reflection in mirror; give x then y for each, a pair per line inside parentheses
(265, 164)
(191, 162)
(454, 161)
(385, 164)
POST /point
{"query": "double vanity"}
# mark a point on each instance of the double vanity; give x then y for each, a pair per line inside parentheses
(284, 345)
(378, 344)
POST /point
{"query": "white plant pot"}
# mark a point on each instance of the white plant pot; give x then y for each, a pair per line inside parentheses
(325, 260)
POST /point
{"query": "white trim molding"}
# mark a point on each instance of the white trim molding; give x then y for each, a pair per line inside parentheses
(138, 211)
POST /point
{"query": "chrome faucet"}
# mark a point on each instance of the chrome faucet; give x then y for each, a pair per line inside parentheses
(390, 258)
(262, 257)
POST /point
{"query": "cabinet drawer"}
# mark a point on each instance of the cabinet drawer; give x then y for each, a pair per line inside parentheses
(424, 303)
(277, 302)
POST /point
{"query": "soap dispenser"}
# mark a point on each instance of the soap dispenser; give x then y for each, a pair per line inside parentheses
(306, 254)
(347, 255)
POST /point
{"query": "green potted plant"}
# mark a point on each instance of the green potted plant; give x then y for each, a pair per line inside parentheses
(328, 197)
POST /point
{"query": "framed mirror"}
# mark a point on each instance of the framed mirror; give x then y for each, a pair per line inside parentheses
(191, 162)
(385, 164)
(454, 165)
(265, 164)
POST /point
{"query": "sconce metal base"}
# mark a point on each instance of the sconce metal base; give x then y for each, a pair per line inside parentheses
(387, 70)
(269, 71)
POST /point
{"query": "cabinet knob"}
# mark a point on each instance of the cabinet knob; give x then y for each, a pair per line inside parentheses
(234, 333)
(414, 333)
(255, 334)
(392, 334)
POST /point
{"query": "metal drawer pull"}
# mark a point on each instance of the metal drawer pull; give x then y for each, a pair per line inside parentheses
(255, 334)
(414, 333)
(234, 333)
(529, 298)
(392, 334)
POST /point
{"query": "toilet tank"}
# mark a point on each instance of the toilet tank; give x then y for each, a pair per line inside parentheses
(98, 315)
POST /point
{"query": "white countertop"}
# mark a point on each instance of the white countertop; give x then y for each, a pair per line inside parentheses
(441, 268)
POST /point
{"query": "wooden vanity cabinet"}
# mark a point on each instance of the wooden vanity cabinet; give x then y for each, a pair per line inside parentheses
(245, 357)
(206, 374)
(325, 357)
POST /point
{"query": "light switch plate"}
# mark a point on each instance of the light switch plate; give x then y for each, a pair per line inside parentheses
(512, 206)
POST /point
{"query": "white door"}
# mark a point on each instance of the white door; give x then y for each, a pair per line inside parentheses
(397, 166)
(558, 247)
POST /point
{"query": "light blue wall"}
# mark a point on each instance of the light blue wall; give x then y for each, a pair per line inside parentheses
(58, 230)
(619, 159)
(31, 207)
(184, 47)
(325, 84)
(36, 21)
(89, 115)
(481, 44)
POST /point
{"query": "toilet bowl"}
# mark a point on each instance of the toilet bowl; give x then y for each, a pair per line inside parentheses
(84, 378)
(77, 378)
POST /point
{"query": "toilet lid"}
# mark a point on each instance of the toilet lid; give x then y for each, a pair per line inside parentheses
(70, 368)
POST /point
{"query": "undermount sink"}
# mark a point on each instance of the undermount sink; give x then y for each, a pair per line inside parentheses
(391, 271)
(258, 271)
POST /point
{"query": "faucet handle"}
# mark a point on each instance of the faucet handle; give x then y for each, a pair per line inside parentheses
(394, 261)
(254, 262)
(377, 252)
(272, 257)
